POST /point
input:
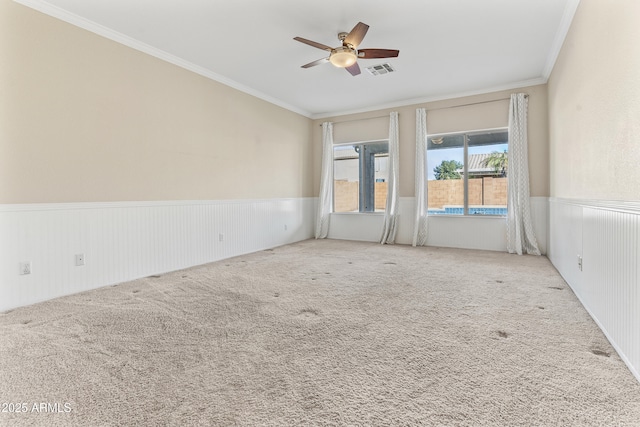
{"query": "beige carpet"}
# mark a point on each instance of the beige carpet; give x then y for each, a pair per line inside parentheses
(320, 333)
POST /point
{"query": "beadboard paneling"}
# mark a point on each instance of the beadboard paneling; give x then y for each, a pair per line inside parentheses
(470, 232)
(125, 241)
(606, 236)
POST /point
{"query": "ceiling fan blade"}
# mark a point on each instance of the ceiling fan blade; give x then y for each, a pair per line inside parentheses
(357, 34)
(314, 44)
(377, 53)
(314, 63)
(354, 69)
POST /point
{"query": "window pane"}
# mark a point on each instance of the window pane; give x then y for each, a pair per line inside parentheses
(487, 169)
(445, 163)
(361, 174)
(346, 179)
(381, 180)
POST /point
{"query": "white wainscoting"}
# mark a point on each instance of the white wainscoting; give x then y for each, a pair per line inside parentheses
(606, 235)
(128, 240)
(470, 232)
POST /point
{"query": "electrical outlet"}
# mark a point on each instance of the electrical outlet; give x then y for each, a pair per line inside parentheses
(79, 260)
(221, 237)
(580, 262)
(25, 268)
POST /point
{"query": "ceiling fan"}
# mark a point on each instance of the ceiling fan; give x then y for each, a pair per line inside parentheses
(346, 56)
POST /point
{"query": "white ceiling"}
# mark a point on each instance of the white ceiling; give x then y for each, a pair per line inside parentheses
(447, 47)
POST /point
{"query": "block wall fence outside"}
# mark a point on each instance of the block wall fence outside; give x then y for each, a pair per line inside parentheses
(450, 192)
(345, 196)
(128, 240)
(482, 191)
(380, 195)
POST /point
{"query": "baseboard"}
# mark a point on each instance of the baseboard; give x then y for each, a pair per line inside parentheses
(123, 241)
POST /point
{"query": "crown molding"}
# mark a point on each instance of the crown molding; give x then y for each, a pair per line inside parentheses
(561, 35)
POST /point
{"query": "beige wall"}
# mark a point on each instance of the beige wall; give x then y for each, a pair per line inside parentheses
(594, 104)
(83, 118)
(446, 116)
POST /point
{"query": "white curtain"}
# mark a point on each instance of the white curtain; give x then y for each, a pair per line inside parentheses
(520, 237)
(325, 200)
(393, 199)
(420, 192)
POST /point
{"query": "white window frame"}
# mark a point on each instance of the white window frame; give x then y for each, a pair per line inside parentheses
(465, 173)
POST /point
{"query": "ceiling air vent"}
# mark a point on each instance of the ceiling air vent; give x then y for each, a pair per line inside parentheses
(378, 70)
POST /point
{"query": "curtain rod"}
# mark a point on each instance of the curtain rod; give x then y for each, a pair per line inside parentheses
(526, 95)
(359, 120)
(473, 103)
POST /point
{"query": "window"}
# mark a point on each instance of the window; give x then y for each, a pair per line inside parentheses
(467, 173)
(360, 176)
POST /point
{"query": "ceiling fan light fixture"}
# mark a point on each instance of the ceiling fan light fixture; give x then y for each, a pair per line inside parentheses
(343, 57)
(347, 55)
